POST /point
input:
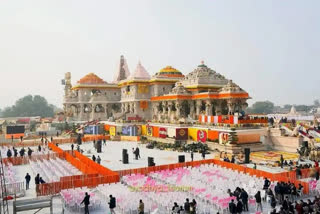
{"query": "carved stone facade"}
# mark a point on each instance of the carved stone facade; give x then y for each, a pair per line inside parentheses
(168, 96)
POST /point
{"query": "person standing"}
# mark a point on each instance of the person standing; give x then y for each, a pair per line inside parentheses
(86, 202)
(244, 198)
(187, 206)
(15, 151)
(98, 159)
(72, 147)
(37, 182)
(28, 178)
(191, 155)
(112, 204)
(9, 153)
(29, 152)
(281, 161)
(12, 138)
(22, 152)
(239, 207)
(138, 152)
(203, 154)
(41, 181)
(39, 148)
(232, 207)
(21, 138)
(175, 208)
(141, 207)
(104, 142)
(94, 158)
(258, 200)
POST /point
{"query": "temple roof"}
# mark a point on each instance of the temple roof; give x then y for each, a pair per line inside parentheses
(91, 78)
(140, 73)
(123, 72)
(169, 71)
(231, 87)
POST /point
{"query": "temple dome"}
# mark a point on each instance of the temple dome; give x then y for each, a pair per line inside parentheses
(169, 71)
(140, 73)
(91, 78)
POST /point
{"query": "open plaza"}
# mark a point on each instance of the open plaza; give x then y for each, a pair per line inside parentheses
(159, 107)
(168, 143)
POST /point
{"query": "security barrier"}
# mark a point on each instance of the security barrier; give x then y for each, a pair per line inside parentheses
(93, 174)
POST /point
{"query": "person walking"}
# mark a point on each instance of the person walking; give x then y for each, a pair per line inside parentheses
(86, 202)
(94, 158)
(72, 147)
(28, 178)
(112, 204)
(39, 148)
(191, 155)
(141, 207)
(258, 201)
(104, 142)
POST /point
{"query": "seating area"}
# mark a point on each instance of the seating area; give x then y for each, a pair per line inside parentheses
(52, 170)
(72, 199)
(207, 184)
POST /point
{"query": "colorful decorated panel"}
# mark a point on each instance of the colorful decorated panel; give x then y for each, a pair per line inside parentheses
(182, 134)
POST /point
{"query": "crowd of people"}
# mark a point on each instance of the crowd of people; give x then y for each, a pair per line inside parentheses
(187, 208)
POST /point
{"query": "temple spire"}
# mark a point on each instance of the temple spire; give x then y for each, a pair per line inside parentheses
(123, 71)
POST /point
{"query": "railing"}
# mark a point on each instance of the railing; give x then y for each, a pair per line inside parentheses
(15, 188)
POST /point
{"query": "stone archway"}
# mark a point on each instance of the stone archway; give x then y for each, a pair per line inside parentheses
(99, 108)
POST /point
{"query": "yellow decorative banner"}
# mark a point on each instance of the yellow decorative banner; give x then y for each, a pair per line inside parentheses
(143, 89)
(112, 131)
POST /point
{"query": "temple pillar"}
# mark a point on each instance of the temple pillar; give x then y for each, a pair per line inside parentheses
(123, 109)
(192, 112)
(170, 104)
(198, 107)
(217, 108)
(164, 107)
(178, 109)
(208, 108)
(126, 107)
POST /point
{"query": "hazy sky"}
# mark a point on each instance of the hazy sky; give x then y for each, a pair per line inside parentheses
(270, 48)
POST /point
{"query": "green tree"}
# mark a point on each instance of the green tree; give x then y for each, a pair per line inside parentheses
(29, 106)
(261, 107)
